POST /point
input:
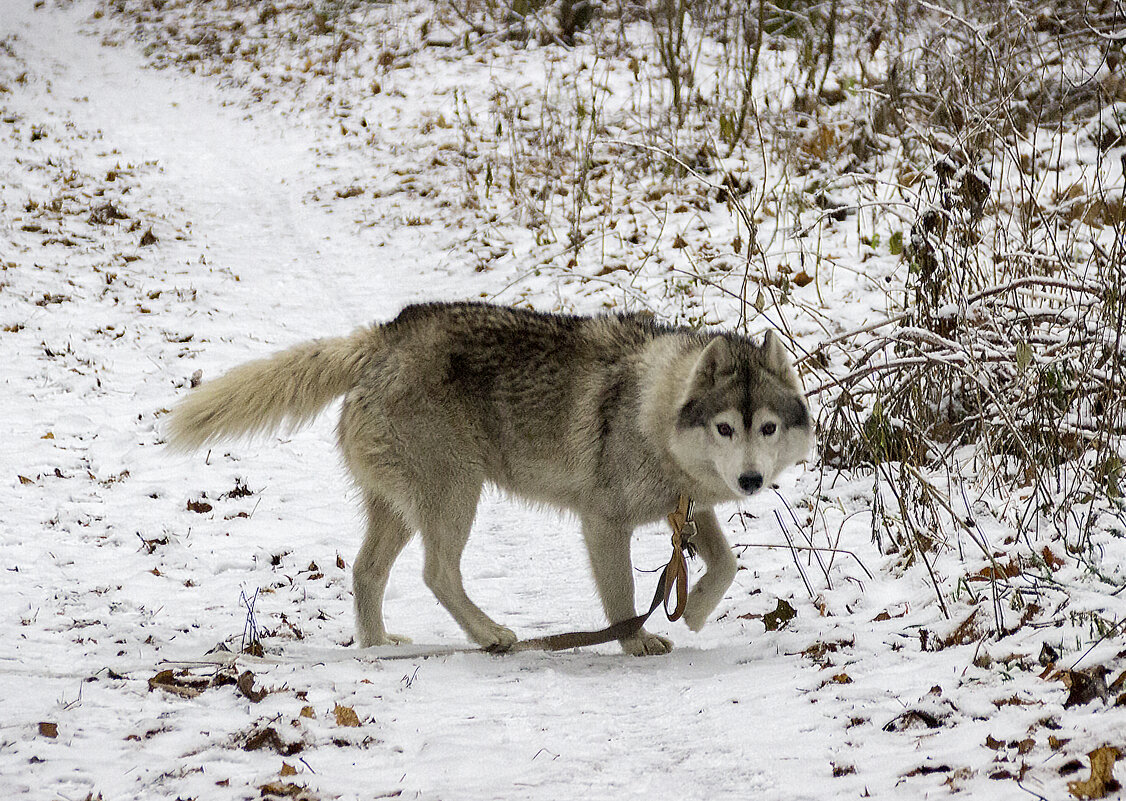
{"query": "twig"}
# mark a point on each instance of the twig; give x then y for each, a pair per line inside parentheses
(794, 552)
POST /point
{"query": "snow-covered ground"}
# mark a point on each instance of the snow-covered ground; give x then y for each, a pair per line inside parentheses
(121, 561)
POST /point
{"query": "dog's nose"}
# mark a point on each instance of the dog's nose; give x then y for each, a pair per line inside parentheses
(750, 482)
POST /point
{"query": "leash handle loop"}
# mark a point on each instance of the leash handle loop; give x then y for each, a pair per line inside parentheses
(676, 573)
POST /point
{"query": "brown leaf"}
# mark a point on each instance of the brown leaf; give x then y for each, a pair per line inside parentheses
(1013, 700)
(346, 716)
(49, 729)
(1102, 780)
(308, 712)
(1085, 685)
(285, 790)
(912, 719)
(269, 738)
(199, 507)
(1053, 561)
(802, 279)
(26, 480)
(781, 615)
(287, 770)
(168, 681)
(245, 686)
(964, 633)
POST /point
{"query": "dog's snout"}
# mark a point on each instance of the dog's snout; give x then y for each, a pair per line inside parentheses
(750, 482)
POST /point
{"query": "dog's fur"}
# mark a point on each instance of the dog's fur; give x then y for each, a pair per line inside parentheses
(610, 417)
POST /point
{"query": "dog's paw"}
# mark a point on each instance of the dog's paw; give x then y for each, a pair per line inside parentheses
(497, 639)
(384, 639)
(695, 615)
(645, 644)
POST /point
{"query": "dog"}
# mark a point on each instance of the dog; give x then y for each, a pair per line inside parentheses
(611, 417)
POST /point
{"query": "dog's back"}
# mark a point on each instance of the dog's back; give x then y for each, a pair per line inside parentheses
(536, 402)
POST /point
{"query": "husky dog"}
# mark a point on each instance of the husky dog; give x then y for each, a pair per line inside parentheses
(611, 417)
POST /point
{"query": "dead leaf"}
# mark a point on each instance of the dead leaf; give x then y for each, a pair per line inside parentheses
(964, 633)
(285, 790)
(1014, 700)
(269, 738)
(26, 480)
(48, 435)
(287, 770)
(1102, 781)
(245, 686)
(781, 615)
(912, 719)
(1053, 561)
(199, 507)
(1085, 685)
(346, 716)
(106, 214)
(802, 279)
(185, 687)
(49, 729)
(308, 712)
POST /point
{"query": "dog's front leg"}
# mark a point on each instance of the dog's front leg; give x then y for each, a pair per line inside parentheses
(720, 562)
(608, 544)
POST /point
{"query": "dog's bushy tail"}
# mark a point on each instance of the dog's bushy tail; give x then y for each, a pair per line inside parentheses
(283, 390)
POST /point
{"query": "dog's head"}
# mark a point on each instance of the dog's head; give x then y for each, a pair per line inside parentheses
(742, 419)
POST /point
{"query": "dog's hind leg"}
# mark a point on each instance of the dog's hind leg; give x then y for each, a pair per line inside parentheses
(709, 590)
(608, 546)
(384, 540)
(445, 526)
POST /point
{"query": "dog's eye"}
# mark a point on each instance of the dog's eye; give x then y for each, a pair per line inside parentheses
(725, 430)
(768, 429)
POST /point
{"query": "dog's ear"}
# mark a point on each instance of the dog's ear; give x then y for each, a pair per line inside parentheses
(778, 359)
(712, 365)
(714, 362)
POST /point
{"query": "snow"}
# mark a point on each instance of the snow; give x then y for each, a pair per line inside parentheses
(110, 576)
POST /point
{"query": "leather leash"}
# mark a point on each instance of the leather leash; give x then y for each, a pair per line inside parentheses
(673, 580)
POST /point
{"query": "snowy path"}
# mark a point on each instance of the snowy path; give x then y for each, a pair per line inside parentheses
(464, 726)
(107, 572)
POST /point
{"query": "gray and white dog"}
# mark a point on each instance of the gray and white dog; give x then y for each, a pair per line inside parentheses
(613, 418)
